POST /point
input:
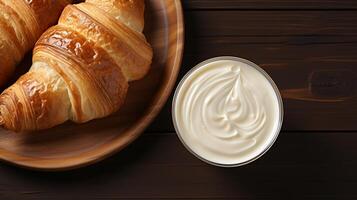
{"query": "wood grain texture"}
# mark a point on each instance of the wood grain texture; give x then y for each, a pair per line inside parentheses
(71, 145)
(270, 4)
(311, 55)
(271, 23)
(301, 165)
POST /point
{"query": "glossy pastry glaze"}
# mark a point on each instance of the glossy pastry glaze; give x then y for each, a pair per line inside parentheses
(21, 23)
(82, 67)
(227, 112)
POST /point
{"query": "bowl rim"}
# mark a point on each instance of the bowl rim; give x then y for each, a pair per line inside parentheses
(251, 64)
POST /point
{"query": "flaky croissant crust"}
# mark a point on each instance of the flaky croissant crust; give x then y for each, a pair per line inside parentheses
(21, 23)
(81, 67)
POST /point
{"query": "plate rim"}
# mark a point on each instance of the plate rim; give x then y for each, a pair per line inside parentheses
(141, 124)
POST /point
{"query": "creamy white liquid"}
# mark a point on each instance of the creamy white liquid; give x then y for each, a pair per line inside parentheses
(227, 112)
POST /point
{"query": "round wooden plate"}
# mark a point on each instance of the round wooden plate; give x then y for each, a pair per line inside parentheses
(71, 145)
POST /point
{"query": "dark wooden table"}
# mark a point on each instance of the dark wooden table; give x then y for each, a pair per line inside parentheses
(310, 50)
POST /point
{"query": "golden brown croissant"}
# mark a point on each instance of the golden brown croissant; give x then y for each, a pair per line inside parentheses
(21, 23)
(81, 67)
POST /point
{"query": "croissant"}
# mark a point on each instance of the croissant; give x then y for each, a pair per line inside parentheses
(81, 67)
(21, 23)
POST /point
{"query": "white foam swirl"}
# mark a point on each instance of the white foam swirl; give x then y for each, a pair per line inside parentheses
(220, 114)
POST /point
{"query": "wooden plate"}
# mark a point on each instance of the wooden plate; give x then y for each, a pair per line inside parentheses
(71, 145)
